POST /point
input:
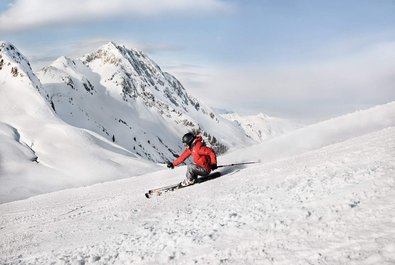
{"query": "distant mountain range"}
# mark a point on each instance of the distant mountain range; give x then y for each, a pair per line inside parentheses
(261, 127)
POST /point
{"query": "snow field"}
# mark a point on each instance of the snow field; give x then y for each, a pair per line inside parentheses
(334, 205)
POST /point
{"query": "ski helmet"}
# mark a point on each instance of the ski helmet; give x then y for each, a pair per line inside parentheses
(188, 138)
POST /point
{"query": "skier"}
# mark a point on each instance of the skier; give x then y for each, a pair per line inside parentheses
(204, 158)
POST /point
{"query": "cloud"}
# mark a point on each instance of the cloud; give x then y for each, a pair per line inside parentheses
(330, 86)
(27, 14)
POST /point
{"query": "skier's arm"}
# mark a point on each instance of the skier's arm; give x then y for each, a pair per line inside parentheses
(182, 157)
(213, 159)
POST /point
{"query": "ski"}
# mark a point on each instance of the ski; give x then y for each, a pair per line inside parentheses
(162, 190)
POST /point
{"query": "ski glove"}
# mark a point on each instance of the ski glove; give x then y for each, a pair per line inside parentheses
(170, 165)
(214, 166)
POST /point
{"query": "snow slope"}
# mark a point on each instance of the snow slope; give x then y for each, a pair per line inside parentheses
(327, 203)
(38, 151)
(318, 135)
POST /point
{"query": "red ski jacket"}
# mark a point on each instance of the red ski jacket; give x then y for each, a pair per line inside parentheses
(202, 155)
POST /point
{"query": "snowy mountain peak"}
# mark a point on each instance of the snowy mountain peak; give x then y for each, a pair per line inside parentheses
(108, 53)
(67, 65)
(15, 68)
(111, 53)
(110, 46)
(131, 60)
(120, 50)
(133, 75)
(11, 58)
(10, 50)
(66, 61)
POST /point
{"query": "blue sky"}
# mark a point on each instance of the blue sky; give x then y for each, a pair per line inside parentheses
(298, 59)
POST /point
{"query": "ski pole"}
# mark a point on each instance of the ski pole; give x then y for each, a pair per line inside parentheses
(239, 164)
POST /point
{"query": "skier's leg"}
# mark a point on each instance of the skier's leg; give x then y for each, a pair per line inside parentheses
(193, 172)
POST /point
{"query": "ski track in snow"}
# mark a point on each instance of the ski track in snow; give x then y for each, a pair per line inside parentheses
(335, 205)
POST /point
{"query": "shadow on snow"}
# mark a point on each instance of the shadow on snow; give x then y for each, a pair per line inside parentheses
(217, 174)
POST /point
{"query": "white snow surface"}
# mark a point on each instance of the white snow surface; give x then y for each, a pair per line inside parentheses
(326, 202)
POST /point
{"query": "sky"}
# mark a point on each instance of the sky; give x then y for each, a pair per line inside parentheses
(299, 59)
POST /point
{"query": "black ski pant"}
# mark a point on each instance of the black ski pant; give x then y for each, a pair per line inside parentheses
(193, 171)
